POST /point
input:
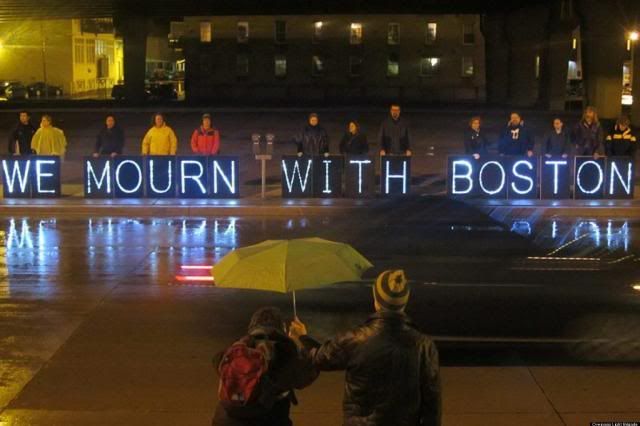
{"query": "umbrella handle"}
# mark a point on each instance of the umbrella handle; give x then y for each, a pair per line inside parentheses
(295, 308)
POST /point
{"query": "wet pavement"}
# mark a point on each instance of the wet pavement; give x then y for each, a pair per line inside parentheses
(99, 326)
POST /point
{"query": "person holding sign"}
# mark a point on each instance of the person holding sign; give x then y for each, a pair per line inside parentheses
(160, 138)
(110, 139)
(205, 139)
(353, 141)
(557, 143)
(21, 135)
(49, 140)
(313, 140)
(588, 136)
(475, 141)
(394, 134)
(516, 139)
(621, 142)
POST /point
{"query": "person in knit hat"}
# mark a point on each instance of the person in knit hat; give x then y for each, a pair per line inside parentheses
(392, 370)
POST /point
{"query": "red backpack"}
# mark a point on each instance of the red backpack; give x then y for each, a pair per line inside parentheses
(244, 384)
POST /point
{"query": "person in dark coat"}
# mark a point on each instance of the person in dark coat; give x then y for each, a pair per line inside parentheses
(392, 369)
(516, 138)
(588, 136)
(557, 143)
(313, 140)
(290, 368)
(621, 142)
(475, 141)
(353, 141)
(21, 135)
(393, 136)
(110, 139)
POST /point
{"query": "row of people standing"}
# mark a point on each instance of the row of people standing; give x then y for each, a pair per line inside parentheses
(586, 138)
(26, 139)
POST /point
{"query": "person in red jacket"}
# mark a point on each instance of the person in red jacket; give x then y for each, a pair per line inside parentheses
(205, 139)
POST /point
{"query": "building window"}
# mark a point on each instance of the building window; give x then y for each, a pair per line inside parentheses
(355, 66)
(468, 34)
(79, 51)
(317, 66)
(243, 32)
(317, 31)
(429, 66)
(393, 65)
(205, 64)
(242, 65)
(537, 66)
(280, 66)
(467, 66)
(356, 33)
(393, 33)
(431, 33)
(205, 32)
(91, 51)
(281, 32)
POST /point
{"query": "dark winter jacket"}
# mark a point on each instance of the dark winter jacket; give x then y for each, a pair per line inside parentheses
(588, 139)
(290, 369)
(475, 142)
(515, 140)
(621, 143)
(392, 372)
(21, 135)
(313, 140)
(394, 136)
(351, 144)
(109, 141)
(557, 144)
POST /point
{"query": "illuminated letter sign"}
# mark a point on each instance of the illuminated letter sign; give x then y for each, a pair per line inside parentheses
(589, 178)
(192, 177)
(327, 176)
(462, 175)
(555, 183)
(297, 177)
(359, 177)
(620, 177)
(128, 177)
(395, 175)
(225, 177)
(16, 173)
(97, 177)
(161, 176)
(492, 178)
(523, 178)
(46, 179)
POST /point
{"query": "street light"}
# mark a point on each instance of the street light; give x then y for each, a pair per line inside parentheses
(634, 35)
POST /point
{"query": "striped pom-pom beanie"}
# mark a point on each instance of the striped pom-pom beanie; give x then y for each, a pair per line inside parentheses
(391, 290)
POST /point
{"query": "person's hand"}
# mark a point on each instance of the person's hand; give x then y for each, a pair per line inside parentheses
(297, 328)
(565, 155)
(596, 155)
(114, 154)
(408, 153)
(530, 153)
(548, 155)
(326, 154)
(15, 153)
(383, 152)
(96, 155)
(299, 154)
(476, 156)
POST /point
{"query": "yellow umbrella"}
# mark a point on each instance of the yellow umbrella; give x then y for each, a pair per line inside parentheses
(288, 265)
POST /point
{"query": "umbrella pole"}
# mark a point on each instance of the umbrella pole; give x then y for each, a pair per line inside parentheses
(295, 309)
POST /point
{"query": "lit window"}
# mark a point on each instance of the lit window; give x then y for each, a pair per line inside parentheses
(243, 32)
(468, 34)
(356, 33)
(205, 64)
(467, 66)
(393, 33)
(317, 31)
(429, 66)
(537, 67)
(431, 33)
(281, 32)
(574, 43)
(355, 66)
(280, 66)
(393, 65)
(317, 66)
(242, 65)
(205, 32)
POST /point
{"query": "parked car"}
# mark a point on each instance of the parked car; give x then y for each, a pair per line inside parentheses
(16, 91)
(40, 89)
(6, 83)
(152, 91)
(117, 92)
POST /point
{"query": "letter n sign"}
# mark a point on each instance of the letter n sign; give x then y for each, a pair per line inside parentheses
(297, 176)
(620, 180)
(128, 177)
(327, 176)
(225, 177)
(395, 175)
